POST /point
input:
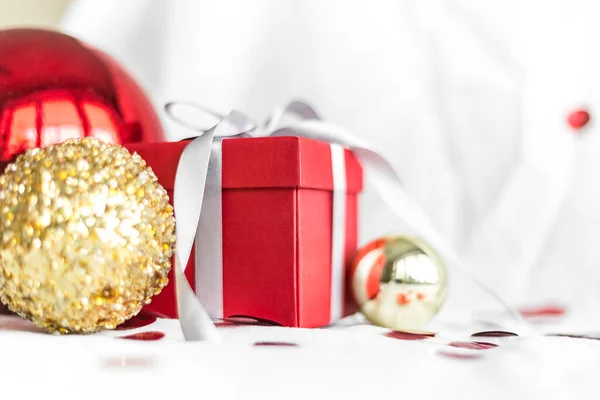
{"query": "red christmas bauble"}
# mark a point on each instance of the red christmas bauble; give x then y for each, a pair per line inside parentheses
(54, 87)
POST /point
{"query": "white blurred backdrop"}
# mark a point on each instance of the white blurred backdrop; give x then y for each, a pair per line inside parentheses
(468, 99)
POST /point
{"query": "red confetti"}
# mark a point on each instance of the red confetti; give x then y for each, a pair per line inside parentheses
(578, 119)
(576, 336)
(473, 345)
(494, 334)
(145, 336)
(225, 324)
(282, 344)
(127, 362)
(543, 311)
(4, 310)
(461, 356)
(402, 335)
(144, 318)
(134, 323)
(14, 323)
(247, 320)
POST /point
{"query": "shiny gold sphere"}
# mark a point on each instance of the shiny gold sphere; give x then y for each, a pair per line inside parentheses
(87, 234)
(399, 282)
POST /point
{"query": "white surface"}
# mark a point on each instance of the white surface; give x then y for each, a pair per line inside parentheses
(349, 362)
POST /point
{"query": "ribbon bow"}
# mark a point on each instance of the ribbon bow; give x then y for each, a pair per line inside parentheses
(192, 175)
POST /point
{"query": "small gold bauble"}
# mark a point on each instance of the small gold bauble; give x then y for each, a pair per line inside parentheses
(399, 282)
(86, 236)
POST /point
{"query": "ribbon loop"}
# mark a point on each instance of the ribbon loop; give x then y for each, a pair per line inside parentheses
(298, 108)
(175, 110)
(235, 124)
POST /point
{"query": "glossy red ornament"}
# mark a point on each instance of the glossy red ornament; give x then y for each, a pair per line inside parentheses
(54, 87)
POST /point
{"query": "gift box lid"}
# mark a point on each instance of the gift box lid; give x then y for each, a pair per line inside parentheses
(270, 162)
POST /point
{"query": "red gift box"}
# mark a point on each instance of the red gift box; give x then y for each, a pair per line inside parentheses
(277, 202)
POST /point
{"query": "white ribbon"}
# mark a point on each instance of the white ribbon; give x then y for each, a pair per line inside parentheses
(194, 320)
(188, 194)
(209, 239)
(338, 229)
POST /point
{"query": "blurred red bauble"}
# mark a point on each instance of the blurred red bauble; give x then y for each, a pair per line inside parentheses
(54, 87)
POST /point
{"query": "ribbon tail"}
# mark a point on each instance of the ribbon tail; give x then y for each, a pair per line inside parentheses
(400, 203)
(188, 196)
(387, 183)
(196, 324)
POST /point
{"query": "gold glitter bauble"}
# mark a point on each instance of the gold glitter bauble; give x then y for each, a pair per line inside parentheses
(87, 234)
(399, 282)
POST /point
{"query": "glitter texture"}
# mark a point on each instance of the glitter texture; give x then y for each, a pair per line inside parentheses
(87, 235)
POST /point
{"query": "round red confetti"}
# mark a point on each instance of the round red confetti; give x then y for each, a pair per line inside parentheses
(402, 335)
(544, 311)
(473, 345)
(128, 362)
(494, 334)
(281, 344)
(4, 310)
(247, 320)
(225, 324)
(145, 336)
(576, 336)
(461, 356)
(15, 323)
(134, 323)
(578, 119)
(144, 318)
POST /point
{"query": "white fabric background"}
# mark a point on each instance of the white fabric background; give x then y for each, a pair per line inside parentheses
(456, 94)
(468, 100)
